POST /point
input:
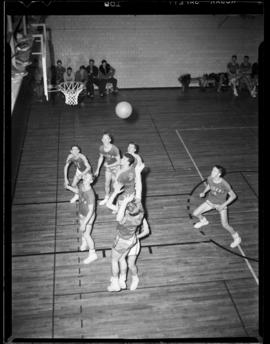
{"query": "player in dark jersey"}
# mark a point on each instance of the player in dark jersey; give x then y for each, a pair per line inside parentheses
(87, 206)
(129, 217)
(127, 182)
(80, 161)
(217, 199)
(111, 154)
(133, 150)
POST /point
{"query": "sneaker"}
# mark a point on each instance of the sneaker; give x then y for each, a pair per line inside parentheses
(201, 223)
(122, 282)
(134, 283)
(92, 257)
(74, 199)
(235, 93)
(84, 245)
(104, 201)
(114, 286)
(237, 240)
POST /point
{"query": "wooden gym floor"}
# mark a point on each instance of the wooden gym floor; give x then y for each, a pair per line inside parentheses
(192, 285)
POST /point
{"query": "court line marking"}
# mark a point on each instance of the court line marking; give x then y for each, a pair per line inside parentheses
(197, 169)
(217, 128)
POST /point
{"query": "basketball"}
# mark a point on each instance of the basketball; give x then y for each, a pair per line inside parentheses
(123, 110)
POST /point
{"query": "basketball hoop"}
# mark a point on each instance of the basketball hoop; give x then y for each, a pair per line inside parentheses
(71, 91)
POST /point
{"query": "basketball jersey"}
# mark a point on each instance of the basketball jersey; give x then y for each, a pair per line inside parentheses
(127, 229)
(218, 191)
(86, 198)
(127, 178)
(111, 155)
(79, 163)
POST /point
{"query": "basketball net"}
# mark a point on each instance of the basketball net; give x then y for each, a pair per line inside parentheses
(71, 91)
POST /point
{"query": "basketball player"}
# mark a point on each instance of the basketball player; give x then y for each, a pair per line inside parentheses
(133, 150)
(111, 154)
(127, 182)
(80, 161)
(87, 203)
(217, 199)
(69, 75)
(130, 216)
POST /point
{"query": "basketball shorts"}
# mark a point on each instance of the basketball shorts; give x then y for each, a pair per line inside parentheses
(122, 245)
(214, 206)
(112, 170)
(134, 251)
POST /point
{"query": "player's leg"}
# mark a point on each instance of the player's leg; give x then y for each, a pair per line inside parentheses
(90, 242)
(74, 184)
(120, 250)
(108, 179)
(84, 245)
(114, 286)
(132, 257)
(123, 271)
(203, 208)
(225, 224)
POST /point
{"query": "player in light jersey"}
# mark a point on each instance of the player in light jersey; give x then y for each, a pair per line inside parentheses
(217, 199)
(111, 154)
(129, 217)
(80, 161)
(87, 206)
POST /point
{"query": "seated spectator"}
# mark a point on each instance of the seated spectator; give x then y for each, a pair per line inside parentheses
(106, 73)
(59, 71)
(233, 75)
(81, 76)
(69, 75)
(92, 71)
(245, 76)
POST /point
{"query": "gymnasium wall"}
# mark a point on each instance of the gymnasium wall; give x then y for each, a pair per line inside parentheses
(153, 50)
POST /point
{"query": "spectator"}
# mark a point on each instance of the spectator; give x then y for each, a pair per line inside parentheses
(69, 75)
(59, 70)
(106, 74)
(245, 76)
(81, 76)
(233, 75)
(92, 71)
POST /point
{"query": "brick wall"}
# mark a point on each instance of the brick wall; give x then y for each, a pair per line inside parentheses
(153, 50)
